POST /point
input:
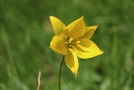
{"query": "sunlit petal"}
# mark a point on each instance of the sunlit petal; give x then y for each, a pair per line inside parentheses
(58, 26)
(77, 28)
(90, 52)
(89, 32)
(72, 61)
(58, 45)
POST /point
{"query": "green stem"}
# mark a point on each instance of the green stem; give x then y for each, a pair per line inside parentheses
(59, 73)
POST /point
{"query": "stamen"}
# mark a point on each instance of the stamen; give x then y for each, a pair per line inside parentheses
(77, 42)
(66, 43)
(70, 40)
(70, 46)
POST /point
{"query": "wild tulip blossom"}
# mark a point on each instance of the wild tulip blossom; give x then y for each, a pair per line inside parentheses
(73, 41)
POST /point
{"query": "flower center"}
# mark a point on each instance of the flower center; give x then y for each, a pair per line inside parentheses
(71, 42)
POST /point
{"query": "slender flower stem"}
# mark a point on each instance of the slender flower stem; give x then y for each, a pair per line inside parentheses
(59, 73)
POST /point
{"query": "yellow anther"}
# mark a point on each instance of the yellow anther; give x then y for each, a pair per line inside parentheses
(77, 42)
(70, 40)
(70, 46)
(66, 43)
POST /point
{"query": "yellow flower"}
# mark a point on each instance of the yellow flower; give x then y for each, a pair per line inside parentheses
(72, 41)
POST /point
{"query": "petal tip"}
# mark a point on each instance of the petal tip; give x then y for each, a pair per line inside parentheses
(102, 52)
(75, 75)
(51, 17)
(82, 17)
(96, 26)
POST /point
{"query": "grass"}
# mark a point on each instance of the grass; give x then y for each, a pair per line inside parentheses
(25, 34)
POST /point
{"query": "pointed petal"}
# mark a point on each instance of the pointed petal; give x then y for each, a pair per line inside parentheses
(77, 28)
(90, 52)
(72, 61)
(58, 45)
(89, 32)
(57, 25)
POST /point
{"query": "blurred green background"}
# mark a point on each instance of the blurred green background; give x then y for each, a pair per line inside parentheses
(25, 34)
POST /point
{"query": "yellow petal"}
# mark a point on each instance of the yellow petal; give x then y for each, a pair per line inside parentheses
(72, 61)
(91, 51)
(83, 45)
(77, 28)
(58, 45)
(89, 32)
(57, 25)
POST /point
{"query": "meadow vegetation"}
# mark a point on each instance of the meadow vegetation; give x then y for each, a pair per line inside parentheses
(26, 32)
